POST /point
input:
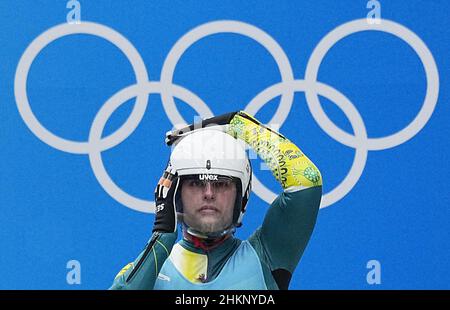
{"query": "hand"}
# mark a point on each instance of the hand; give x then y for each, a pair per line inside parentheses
(237, 124)
(217, 121)
(165, 213)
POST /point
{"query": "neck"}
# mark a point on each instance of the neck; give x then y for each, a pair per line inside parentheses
(205, 243)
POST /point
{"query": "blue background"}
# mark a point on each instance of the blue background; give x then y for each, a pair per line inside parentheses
(53, 210)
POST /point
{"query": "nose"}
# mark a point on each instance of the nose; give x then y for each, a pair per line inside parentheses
(208, 192)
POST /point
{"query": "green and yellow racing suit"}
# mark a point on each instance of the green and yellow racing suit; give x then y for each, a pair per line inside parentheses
(267, 259)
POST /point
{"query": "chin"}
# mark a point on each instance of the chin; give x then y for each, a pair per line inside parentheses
(209, 228)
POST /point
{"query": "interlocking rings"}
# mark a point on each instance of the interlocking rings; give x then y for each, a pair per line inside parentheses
(286, 88)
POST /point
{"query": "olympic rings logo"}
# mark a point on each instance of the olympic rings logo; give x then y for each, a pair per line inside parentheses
(95, 144)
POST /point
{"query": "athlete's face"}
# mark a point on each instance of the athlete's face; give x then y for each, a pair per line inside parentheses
(208, 205)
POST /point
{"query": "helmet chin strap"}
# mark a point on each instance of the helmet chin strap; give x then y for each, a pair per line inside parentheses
(201, 241)
(208, 236)
(206, 241)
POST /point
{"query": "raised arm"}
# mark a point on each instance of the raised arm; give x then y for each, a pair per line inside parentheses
(142, 273)
(289, 222)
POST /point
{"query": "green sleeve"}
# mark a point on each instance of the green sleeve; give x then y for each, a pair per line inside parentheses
(287, 228)
(289, 222)
(142, 273)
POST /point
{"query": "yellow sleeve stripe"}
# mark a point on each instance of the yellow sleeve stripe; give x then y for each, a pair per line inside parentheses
(156, 260)
(124, 269)
(163, 247)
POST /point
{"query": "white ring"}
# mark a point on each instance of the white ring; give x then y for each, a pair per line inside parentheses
(96, 144)
(353, 116)
(226, 26)
(95, 134)
(35, 48)
(401, 32)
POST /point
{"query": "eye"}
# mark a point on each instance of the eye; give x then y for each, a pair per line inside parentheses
(223, 184)
(196, 183)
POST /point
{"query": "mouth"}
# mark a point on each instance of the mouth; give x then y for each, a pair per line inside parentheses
(208, 210)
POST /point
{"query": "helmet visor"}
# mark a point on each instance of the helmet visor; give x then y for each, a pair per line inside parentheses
(202, 182)
(197, 185)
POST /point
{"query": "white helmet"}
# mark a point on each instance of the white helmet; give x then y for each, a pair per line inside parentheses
(208, 152)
